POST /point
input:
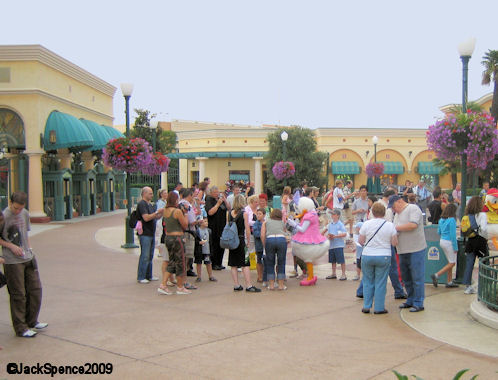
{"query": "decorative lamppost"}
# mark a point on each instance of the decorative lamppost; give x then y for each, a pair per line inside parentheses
(127, 89)
(375, 141)
(465, 49)
(153, 126)
(284, 136)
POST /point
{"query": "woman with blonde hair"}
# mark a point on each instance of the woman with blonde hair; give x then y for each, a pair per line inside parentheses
(286, 198)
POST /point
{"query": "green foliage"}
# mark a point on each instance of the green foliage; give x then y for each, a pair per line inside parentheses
(301, 150)
(165, 140)
(490, 74)
(458, 376)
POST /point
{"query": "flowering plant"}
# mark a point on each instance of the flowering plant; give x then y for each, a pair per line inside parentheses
(283, 169)
(472, 133)
(130, 155)
(159, 164)
(375, 169)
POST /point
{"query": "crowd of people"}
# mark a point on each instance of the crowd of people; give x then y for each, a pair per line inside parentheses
(387, 235)
(187, 224)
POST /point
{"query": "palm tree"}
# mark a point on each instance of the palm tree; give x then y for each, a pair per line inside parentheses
(490, 63)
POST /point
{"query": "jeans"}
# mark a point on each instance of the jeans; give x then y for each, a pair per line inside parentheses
(375, 271)
(393, 275)
(469, 268)
(146, 255)
(412, 267)
(276, 249)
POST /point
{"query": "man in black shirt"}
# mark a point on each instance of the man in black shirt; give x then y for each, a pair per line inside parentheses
(147, 215)
(434, 207)
(216, 208)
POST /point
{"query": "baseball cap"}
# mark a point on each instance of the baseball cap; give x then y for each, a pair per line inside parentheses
(392, 199)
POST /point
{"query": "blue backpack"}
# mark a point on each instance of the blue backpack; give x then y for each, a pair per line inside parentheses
(230, 236)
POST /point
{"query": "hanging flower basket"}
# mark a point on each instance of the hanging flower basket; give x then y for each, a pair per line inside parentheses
(472, 133)
(130, 155)
(375, 169)
(158, 165)
(283, 169)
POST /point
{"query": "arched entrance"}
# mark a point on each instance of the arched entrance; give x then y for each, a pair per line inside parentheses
(13, 162)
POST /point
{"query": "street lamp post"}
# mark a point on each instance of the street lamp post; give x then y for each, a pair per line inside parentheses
(153, 126)
(465, 49)
(375, 141)
(284, 136)
(127, 89)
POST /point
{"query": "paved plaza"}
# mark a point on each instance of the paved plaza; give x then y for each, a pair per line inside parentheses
(98, 313)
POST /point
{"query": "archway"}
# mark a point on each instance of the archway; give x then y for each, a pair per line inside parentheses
(13, 166)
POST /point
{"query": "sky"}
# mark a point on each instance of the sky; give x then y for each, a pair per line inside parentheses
(318, 64)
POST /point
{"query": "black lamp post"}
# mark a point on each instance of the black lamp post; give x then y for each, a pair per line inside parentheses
(153, 126)
(127, 89)
(284, 136)
(465, 49)
(375, 141)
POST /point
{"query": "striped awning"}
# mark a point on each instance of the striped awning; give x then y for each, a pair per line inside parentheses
(345, 167)
(393, 167)
(428, 167)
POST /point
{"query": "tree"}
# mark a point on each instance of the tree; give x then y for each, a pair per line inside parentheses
(165, 140)
(300, 150)
(490, 74)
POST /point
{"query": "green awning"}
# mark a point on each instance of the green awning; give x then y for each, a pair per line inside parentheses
(99, 134)
(393, 167)
(193, 155)
(345, 167)
(65, 131)
(428, 167)
(113, 132)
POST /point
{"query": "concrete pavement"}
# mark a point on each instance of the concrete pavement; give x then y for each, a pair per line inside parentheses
(98, 313)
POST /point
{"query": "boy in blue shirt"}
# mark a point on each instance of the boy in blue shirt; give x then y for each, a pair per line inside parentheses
(256, 228)
(336, 232)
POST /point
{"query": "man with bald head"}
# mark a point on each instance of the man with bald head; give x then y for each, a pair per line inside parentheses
(147, 215)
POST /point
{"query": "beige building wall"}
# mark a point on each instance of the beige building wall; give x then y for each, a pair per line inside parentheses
(35, 82)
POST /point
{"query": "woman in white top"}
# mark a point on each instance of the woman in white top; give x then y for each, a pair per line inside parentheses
(376, 235)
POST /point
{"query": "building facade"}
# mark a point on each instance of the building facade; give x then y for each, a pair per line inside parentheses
(55, 118)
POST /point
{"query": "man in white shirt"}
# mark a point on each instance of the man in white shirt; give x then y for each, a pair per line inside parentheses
(423, 197)
(235, 192)
(408, 221)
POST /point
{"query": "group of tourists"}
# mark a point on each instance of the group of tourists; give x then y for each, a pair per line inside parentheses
(387, 235)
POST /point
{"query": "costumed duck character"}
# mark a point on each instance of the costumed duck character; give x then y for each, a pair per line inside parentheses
(308, 244)
(491, 210)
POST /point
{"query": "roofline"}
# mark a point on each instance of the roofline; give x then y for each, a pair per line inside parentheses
(49, 58)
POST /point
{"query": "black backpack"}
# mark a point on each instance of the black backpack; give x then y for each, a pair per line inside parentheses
(132, 222)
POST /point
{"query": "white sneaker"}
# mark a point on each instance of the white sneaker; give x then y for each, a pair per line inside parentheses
(169, 283)
(29, 334)
(469, 290)
(154, 279)
(183, 291)
(239, 269)
(144, 281)
(166, 292)
(40, 325)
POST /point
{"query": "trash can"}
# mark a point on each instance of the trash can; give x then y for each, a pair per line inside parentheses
(435, 258)
(461, 260)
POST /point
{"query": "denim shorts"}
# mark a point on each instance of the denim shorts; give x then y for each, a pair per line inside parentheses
(336, 255)
(259, 256)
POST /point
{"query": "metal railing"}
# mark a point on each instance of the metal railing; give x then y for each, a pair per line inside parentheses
(488, 282)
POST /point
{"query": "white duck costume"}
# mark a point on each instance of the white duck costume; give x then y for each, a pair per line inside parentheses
(308, 244)
(491, 210)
